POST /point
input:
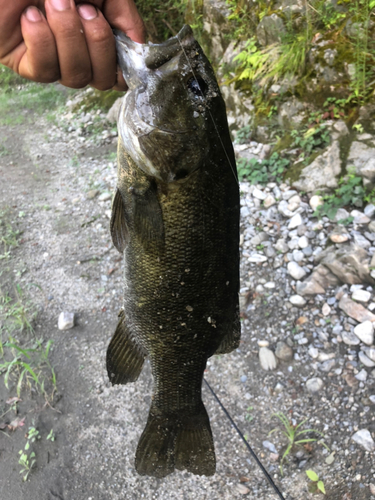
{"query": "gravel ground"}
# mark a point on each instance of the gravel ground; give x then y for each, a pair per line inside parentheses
(56, 184)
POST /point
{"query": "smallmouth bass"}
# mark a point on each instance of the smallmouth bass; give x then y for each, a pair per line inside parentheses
(175, 216)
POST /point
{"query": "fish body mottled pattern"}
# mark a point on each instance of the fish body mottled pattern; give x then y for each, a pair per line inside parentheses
(180, 239)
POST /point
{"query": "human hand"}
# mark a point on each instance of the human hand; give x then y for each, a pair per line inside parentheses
(50, 40)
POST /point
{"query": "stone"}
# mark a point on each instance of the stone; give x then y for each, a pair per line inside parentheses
(359, 217)
(370, 352)
(341, 214)
(356, 311)
(365, 331)
(365, 360)
(361, 241)
(296, 271)
(314, 385)
(281, 246)
(362, 375)
(297, 300)
(257, 193)
(66, 321)
(283, 351)
(303, 242)
(320, 279)
(283, 209)
(263, 343)
(270, 30)
(327, 365)
(298, 256)
(93, 193)
(361, 295)
(295, 221)
(113, 113)
(326, 309)
(364, 439)
(362, 158)
(369, 210)
(316, 201)
(341, 128)
(322, 172)
(257, 258)
(105, 196)
(290, 113)
(313, 352)
(267, 359)
(339, 235)
(259, 238)
(269, 201)
(242, 489)
(349, 338)
(349, 263)
(269, 446)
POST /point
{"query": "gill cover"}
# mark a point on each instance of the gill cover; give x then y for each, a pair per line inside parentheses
(164, 120)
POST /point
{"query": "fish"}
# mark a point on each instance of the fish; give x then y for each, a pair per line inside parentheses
(175, 218)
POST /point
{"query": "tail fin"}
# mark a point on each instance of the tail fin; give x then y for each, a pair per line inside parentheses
(176, 441)
(124, 356)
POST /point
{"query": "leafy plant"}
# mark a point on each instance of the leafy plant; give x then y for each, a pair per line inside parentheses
(293, 434)
(315, 137)
(262, 172)
(27, 460)
(317, 484)
(243, 135)
(349, 192)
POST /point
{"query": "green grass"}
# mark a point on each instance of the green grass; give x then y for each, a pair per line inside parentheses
(17, 105)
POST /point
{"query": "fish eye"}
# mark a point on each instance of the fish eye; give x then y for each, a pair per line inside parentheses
(198, 86)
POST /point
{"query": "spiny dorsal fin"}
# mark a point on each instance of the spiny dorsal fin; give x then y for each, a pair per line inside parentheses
(119, 228)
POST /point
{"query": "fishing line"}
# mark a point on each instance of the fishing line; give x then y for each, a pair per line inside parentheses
(233, 168)
(269, 478)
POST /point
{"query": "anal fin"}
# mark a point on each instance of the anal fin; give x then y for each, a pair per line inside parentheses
(232, 338)
(124, 356)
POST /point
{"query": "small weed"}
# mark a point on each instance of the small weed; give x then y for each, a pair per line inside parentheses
(51, 436)
(27, 365)
(315, 137)
(317, 485)
(243, 135)
(262, 172)
(27, 459)
(292, 434)
(19, 313)
(249, 417)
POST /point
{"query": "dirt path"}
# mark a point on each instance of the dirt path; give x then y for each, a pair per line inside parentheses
(65, 262)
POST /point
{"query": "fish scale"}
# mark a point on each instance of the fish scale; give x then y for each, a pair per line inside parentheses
(176, 218)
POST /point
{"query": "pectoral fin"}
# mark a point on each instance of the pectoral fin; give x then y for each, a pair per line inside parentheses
(148, 217)
(119, 228)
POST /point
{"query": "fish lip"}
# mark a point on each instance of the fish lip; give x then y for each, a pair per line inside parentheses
(184, 35)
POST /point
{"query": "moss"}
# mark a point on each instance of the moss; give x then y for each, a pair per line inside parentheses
(98, 99)
(294, 172)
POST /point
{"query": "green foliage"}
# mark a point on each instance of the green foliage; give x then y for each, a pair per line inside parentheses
(162, 19)
(27, 366)
(262, 172)
(9, 234)
(350, 192)
(27, 458)
(292, 433)
(311, 139)
(17, 314)
(317, 485)
(9, 79)
(243, 135)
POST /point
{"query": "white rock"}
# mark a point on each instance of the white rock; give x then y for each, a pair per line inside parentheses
(256, 257)
(361, 295)
(297, 300)
(257, 193)
(295, 221)
(105, 196)
(361, 241)
(303, 242)
(313, 352)
(365, 332)
(326, 309)
(349, 338)
(269, 201)
(359, 217)
(314, 385)
(369, 210)
(283, 209)
(66, 321)
(364, 439)
(370, 352)
(365, 360)
(267, 359)
(362, 375)
(315, 201)
(296, 271)
(281, 246)
(270, 285)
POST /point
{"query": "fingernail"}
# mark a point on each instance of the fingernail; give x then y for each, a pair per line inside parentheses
(33, 14)
(87, 12)
(61, 4)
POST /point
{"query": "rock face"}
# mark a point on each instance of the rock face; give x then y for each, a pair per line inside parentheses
(349, 263)
(322, 172)
(270, 30)
(362, 158)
